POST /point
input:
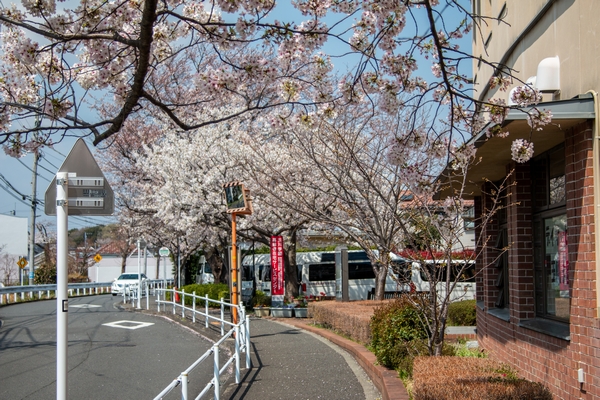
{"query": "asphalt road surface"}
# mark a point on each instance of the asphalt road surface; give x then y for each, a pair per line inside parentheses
(135, 356)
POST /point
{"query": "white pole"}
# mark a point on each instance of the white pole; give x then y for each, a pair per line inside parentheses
(62, 287)
(145, 258)
(139, 288)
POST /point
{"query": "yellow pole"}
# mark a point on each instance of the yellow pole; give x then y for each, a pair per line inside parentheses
(234, 272)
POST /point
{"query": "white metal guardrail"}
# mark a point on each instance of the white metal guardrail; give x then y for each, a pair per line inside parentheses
(14, 294)
(239, 331)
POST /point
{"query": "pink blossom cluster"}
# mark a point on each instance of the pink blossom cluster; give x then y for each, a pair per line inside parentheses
(537, 118)
(526, 95)
(521, 150)
(498, 110)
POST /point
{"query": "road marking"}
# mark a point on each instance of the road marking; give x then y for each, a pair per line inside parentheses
(129, 324)
(85, 306)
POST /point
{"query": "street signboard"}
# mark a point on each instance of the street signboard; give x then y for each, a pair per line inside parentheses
(22, 263)
(89, 192)
(163, 252)
(277, 274)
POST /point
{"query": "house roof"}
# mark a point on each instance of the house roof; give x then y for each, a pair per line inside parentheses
(495, 152)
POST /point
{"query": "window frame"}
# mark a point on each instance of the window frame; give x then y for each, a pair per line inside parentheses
(540, 214)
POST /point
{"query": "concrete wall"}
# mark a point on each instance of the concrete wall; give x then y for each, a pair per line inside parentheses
(109, 268)
(567, 29)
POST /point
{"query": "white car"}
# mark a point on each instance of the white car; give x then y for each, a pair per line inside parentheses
(128, 282)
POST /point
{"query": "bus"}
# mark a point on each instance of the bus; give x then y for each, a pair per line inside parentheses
(316, 275)
(465, 283)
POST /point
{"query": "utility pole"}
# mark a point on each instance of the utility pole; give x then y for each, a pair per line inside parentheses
(36, 158)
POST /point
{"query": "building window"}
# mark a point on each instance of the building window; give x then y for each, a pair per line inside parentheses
(501, 264)
(552, 278)
(469, 218)
(503, 13)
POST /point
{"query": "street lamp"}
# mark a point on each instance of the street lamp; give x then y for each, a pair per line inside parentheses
(238, 201)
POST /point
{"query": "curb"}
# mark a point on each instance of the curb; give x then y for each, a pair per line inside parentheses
(386, 381)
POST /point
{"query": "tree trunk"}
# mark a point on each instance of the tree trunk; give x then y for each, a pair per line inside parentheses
(214, 259)
(291, 269)
(380, 267)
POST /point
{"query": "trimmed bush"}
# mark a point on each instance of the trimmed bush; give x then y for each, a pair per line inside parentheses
(449, 378)
(215, 291)
(260, 299)
(462, 313)
(397, 335)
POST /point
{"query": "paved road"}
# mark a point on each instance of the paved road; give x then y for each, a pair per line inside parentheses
(105, 362)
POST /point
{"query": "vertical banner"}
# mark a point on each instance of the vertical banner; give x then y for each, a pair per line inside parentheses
(277, 266)
(563, 264)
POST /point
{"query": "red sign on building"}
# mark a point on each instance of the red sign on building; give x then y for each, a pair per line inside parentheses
(277, 265)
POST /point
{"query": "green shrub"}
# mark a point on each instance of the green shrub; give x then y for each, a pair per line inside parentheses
(215, 291)
(397, 335)
(462, 313)
(260, 299)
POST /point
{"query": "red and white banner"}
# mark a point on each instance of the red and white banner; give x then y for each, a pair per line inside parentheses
(277, 266)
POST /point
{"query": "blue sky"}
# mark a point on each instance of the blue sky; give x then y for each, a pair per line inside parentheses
(18, 171)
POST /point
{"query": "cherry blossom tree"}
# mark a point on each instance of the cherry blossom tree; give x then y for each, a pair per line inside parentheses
(87, 68)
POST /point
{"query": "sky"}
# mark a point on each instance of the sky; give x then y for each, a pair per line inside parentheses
(16, 174)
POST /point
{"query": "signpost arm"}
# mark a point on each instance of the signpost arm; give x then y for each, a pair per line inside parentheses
(62, 295)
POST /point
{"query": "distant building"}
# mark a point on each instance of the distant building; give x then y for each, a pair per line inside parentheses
(13, 246)
(109, 266)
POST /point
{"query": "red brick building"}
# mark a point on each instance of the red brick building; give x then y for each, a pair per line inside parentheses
(538, 307)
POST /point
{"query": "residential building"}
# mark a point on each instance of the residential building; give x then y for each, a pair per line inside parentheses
(13, 246)
(110, 263)
(538, 307)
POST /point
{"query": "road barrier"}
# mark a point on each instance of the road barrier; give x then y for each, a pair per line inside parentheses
(240, 333)
(15, 294)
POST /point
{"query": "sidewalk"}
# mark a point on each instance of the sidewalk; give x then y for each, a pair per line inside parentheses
(290, 361)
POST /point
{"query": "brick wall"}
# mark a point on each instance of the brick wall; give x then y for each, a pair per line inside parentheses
(538, 356)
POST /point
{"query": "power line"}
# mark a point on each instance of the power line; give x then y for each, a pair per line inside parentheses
(38, 174)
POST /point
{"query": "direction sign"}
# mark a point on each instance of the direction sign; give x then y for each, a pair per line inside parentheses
(89, 192)
(163, 252)
(22, 263)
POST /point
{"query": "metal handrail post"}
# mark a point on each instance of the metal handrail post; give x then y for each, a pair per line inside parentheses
(194, 306)
(173, 300)
(237, 354)
(147, 296)
(222, 317)
(184, 386)
(216, 372)
(248, 359)
(158, 300)
(182, 303)
(206, 311)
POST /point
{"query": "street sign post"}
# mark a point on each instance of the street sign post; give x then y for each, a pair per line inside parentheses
(22, 263)
(79, 188)
(164, 252)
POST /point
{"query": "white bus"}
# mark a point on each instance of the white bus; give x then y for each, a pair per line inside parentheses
(465, 283)
(316, 274)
